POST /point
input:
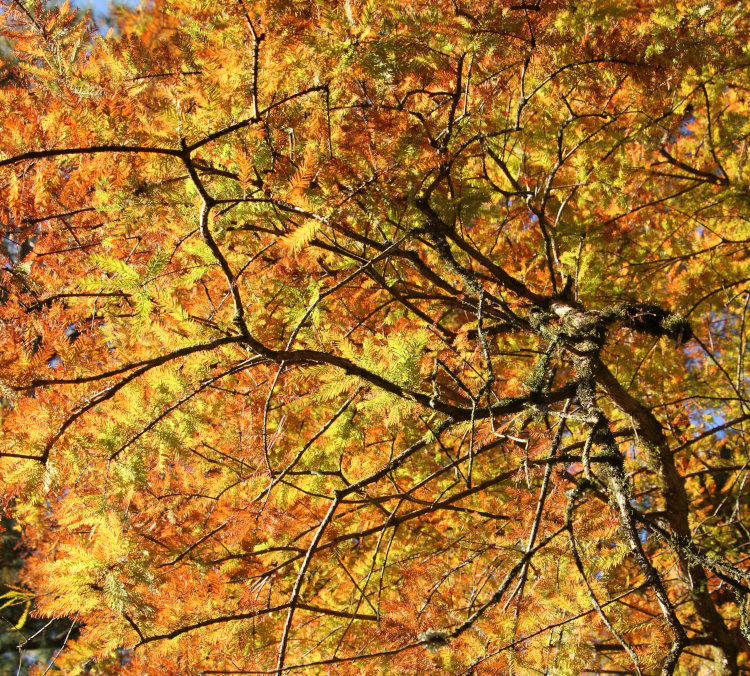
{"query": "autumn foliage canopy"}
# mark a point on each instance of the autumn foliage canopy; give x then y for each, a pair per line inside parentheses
(401, 336)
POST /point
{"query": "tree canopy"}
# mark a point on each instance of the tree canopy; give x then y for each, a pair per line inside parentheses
(378, 337)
